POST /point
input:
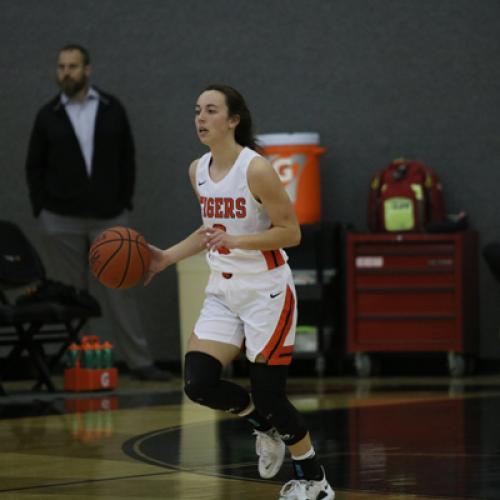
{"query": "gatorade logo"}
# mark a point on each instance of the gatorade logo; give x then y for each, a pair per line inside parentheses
(286, 168)
(105, 379)
(289, 170)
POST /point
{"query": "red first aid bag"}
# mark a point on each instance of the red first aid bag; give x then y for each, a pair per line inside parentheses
(405, 196)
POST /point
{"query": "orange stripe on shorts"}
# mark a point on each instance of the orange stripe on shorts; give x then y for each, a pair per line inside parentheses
(274, 351)
(274, 258)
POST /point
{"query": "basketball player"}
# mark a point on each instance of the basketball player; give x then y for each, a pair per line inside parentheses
(250, 297)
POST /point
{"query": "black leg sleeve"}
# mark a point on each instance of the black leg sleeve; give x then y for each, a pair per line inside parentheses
(203, 385)
(269, 397)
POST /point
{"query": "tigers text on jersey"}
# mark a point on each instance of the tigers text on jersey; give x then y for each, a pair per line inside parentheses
(229, 205)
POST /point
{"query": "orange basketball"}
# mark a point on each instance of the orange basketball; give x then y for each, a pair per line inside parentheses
(119, 257)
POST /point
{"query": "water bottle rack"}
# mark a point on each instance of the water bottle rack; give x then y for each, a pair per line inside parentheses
(90, 379)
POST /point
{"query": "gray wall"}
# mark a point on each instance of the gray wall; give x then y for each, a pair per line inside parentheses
(377, 79)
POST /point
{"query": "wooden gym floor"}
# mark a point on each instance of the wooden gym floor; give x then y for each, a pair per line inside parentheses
(380, 438)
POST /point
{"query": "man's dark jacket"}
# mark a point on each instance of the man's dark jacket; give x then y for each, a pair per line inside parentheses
(55, 167)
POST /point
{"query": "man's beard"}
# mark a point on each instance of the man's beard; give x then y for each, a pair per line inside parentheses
(71, 87)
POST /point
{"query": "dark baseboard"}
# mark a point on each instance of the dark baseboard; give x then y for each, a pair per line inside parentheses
(387, 364)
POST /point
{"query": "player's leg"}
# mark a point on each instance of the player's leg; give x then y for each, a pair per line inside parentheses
(203, 384)
(269, 394)
(214, 344)
(269, 347)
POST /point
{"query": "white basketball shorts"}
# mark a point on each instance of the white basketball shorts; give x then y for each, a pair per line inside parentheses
(257, 311)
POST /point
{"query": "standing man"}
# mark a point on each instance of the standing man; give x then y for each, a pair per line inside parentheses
(81, 172)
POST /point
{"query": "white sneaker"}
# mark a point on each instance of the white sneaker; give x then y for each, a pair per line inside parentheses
(271, 451)
(307, 490)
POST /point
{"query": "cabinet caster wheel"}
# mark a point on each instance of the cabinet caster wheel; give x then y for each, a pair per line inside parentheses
(363, 364)
(320, 366)
(456, 364)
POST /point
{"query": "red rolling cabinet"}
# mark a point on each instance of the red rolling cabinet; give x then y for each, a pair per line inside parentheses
(412, 293)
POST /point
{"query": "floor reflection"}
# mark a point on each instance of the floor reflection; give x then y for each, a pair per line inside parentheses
(439, 441)
(379, 438)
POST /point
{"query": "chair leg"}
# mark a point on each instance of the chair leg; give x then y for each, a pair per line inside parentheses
(72, 337)
(14, 353)
(72, 331)
(36, 354)
(38, 357)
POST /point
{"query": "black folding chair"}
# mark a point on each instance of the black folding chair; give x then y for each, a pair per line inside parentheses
(47, 313)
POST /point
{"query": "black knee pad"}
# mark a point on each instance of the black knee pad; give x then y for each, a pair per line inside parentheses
(203, 385)
(201, 375)
(270, 400)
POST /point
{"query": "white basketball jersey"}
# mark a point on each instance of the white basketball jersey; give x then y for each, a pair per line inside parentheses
(229, 205)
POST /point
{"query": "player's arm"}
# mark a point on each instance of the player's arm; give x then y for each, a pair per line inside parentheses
(193, 244)
(267, 188)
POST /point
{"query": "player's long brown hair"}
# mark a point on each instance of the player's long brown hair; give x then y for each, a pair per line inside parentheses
(243, 134)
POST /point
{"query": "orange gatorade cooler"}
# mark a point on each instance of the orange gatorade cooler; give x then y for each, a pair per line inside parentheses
(295, 157)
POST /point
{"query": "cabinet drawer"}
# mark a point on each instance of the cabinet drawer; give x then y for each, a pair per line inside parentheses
(394, 334)
(377, 263)
(397, 248)
(367, 279)
(405, 302)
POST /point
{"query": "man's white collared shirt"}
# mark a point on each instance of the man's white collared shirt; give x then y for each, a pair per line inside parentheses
(82, 116)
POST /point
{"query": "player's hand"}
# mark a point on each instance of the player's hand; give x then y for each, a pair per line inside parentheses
(217, 239)
(159, 261)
